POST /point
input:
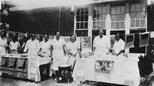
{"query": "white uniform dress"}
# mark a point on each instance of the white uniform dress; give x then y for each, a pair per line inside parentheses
(2, 46)
(73, 47)
(2, 49)
(118, 46)
(58, 53)
(45, 46)
(32, 47)
(102, 45)
(14, 45)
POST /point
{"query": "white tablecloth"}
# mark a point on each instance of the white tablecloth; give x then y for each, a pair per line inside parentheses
(33, 67)
(125, 70)
(0, 63)
(33, 72)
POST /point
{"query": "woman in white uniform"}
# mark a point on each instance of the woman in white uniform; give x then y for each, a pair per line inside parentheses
(14, 44)
(101, 43)
(73, 49)
(3, 43)
(32, 46)
(119, 45)
(58, 46)
(45, 47)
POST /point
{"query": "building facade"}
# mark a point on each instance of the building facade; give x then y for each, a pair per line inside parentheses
(124, 16)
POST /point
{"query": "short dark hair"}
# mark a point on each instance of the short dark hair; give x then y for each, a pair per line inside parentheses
(33, 35)
(72, 35)
(3, 34)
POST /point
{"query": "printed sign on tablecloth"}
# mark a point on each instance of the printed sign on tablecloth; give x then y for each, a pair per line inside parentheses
(103, 66)
(4, 63)
(12, 63)
(22, 64)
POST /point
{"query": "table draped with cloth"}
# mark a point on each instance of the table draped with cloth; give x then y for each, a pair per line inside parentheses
(109, 69)
(33, 66)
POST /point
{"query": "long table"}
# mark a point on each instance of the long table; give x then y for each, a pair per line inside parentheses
(24, 67)
(108, 68)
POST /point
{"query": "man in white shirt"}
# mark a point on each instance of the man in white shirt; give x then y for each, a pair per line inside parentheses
(119, 45)
(32, 46)
(101, 43)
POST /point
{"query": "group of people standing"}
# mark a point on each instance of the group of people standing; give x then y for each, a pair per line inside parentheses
(57, 48)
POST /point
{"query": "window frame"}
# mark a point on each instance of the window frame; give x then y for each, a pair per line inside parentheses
(137, 21)
(118, 24)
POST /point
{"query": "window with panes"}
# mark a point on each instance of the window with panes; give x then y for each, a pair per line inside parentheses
(118, 17)
(138, 15)
(82, 19)
(99, 16)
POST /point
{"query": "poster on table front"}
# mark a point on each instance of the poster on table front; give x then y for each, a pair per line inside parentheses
(4, 63)
(22, 64)
(103, 66)
(12, 63)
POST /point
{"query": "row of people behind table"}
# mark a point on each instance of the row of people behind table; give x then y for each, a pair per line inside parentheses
(58, 48)
(12, 43)
(101, 44)
(61, 51)
(32, 45)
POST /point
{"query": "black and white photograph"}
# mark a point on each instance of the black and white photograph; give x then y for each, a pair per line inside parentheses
(76, 42)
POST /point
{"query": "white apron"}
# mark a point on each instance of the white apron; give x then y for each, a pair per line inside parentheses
(72, 47)
(58, 54)
(2, 50)
(45, 46)
(32, 47)
(2, 46)
(102, 45)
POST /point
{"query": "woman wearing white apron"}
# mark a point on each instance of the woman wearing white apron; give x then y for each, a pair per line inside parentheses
(32, 46)
(72, 49)
(14, 44)
(45, 47)
(3, 43)
(58, 45)
(101, 44)
(119, 45)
